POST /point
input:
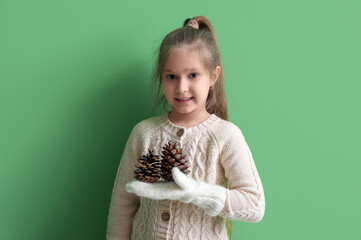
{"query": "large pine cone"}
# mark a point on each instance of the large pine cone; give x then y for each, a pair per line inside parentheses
(172, 157)
(149, 169)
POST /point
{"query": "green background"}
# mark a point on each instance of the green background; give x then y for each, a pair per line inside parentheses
(75, 79)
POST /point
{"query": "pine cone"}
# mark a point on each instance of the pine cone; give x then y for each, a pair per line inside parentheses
(172, 157)
(149, 169)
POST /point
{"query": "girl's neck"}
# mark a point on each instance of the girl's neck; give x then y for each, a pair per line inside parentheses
(188, 120)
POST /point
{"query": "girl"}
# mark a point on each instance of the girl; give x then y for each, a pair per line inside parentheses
(223, 182)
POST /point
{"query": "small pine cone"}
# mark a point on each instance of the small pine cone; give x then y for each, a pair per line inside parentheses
(149, 169)
(172, 157)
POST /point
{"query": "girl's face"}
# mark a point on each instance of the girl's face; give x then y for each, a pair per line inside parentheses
(186, 83)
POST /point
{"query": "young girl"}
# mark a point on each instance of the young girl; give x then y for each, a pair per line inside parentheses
(222, 182)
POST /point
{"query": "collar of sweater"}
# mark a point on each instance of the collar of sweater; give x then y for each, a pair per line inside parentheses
(180, 131)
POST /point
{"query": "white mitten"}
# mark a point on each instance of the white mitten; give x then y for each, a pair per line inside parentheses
(210, 197)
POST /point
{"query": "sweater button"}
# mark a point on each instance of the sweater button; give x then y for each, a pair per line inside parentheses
(180, 132)
(165, 216)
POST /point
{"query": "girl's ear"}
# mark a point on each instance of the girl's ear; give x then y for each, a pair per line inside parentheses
(215, 75)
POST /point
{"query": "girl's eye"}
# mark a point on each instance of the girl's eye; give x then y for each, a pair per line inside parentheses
(170, 76)
(193, 75)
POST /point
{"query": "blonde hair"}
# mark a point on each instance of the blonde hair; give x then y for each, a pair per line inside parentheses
(204, 40)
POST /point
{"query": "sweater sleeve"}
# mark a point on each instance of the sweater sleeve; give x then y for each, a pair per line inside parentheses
(245, 199)
(124, 205)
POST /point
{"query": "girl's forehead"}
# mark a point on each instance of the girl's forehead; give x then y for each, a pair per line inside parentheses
(185, 51)
(185, 58)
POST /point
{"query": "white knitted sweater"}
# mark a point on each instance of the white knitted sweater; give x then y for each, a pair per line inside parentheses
(216, 151)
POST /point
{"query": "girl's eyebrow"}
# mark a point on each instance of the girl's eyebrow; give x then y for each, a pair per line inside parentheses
(186, 70)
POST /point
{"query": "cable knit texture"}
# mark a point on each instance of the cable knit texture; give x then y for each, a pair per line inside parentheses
(216, 150)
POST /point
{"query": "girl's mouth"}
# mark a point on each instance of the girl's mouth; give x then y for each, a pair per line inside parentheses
(185, 100)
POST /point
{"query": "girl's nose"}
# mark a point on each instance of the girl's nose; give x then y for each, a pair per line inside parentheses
(182, 85)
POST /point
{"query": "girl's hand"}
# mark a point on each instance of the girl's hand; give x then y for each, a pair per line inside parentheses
(210, 197)
(181, 188)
